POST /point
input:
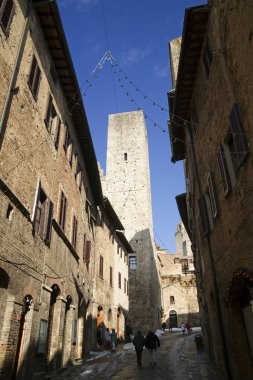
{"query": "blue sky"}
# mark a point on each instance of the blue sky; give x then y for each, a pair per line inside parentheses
(137, 34)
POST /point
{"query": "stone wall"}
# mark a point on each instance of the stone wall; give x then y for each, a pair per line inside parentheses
(223, 254)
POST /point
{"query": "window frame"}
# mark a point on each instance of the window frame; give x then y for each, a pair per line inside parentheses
(74, 231)
(6, 29)
(62, 210)
(101, 266)
(34, 78)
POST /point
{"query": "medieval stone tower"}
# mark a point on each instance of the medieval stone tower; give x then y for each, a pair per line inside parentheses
(128, 187)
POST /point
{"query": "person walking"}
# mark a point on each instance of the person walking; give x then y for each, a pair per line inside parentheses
(152, 342)
(113, 339)
(139, 342)
(100, 337)
(108, 339)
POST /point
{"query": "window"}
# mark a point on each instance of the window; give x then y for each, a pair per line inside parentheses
(6, 14)
(185, 266)
(125, 285)
(172, 300)
(239, 141)
(119, 280)
(101, 267)
(127, 288)
(34, 78)
(78, 176)
(125, 156)
(121, 252)
(52, 122)
(223, 166)
(74, 232)
(9, 212)
(63, 210)
(43, 216)
(176, 260)
(111, 276)
(68, 145)
(212, 195)
(208, 58)
(118, 248)
(184, 248)
(132, 262)
(86, 250)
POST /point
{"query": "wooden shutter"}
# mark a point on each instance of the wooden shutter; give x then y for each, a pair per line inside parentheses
(57, 132)
(238, 135)
(32, 73)
(203, 215)
(37, 212)
(63, 209)
(88, 249)
(66, 138)
(36, 81)
(226, 182)
(7, 15)
(212, 195)
(48, 110)
(111, 276)
(84, 248)
(48, 222)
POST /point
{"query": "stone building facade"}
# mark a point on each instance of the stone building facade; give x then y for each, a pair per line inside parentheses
(178, 283)
(211, 112)
(110, 290)
(127, 183)
(52, 206)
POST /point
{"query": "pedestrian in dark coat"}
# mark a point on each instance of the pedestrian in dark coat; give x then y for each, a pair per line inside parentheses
(139, 342)
(152, 342)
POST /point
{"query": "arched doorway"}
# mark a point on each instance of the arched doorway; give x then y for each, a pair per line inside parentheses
(100, 316)
(109, 318)
(173, 318)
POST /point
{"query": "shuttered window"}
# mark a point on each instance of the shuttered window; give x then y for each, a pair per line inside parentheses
(74, 232)
(87, 252)
(225, 178)
(63, 210)
(43, 217)
(125, 285)
(6, 14)
(34, 78)
(52, 121)
(238, 136)
(212, 195)
(111, 276)
(203, 215)
(101, 266)
(119, 277)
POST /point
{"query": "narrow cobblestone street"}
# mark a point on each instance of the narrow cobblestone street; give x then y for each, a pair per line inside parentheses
(177, 359)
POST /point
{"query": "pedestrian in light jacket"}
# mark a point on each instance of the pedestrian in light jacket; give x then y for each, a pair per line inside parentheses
(138, 343)
(152, 342)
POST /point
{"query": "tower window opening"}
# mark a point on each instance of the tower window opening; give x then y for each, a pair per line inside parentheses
(125, 156)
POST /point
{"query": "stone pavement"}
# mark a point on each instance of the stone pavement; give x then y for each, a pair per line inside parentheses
(177, 359)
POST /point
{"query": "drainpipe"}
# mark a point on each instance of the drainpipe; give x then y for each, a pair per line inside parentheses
(8, 99)
(213, 267)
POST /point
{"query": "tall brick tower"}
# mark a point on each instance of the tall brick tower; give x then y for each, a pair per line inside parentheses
(128, 187)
